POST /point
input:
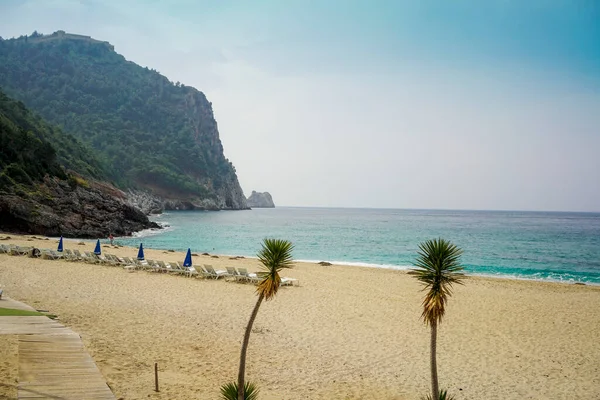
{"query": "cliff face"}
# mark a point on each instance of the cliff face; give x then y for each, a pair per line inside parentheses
(37, 194)
(149, 134)
(57, 208)
(260, 200)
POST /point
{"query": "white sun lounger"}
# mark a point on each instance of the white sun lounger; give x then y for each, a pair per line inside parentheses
(211, 273)
(248, 276)
(289, 281)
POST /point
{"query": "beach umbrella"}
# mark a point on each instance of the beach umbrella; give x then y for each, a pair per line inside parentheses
(97, 250)
(60, 245)
(141, 252)
(188, 259)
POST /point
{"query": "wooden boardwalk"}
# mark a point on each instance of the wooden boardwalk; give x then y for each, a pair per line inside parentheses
(53, 363)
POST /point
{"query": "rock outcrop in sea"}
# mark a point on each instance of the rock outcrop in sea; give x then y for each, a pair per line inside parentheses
(260, 200)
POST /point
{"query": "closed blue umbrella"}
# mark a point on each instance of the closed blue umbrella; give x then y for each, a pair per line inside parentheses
(60, 245)
(188, 259)
(97, 250)
(141, 252)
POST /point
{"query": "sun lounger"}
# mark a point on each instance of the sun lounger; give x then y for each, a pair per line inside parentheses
(248, 276)
(128, 264)
(232, 272)
(45, 255)
(140, 264)
(50, 255)
(68, 255)
(4, 248)
(191, 271)
(121, 261)
(166, 267)
(114, 260)
(105, 259)
(19, 251)
(211, 273)
(163, 267)
(128, 261)
(289, 281)
(151, 266)
(155, 267)
(178, 269)
(91, 258)
(78, 255)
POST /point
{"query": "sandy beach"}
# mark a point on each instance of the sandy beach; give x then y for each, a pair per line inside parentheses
(344, 333)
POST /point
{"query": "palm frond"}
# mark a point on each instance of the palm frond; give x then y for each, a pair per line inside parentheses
(438, 268)
(443, 396)
(229, 391)
(275, 255)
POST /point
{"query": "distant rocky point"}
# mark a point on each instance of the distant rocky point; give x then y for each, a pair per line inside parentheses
(260, 200)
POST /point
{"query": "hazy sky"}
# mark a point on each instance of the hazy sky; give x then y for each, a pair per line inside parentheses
(458, 104)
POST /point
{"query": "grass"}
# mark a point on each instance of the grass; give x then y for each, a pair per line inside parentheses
(10, 312)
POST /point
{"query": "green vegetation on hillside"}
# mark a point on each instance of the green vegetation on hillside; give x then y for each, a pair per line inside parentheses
(28, 148)
(146, 131)
(37, 147)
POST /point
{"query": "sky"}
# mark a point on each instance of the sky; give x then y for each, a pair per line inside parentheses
(444, 104)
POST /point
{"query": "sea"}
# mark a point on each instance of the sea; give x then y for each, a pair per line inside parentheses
(553, 246)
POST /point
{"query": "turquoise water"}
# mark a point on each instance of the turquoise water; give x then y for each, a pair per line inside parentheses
(535, 245)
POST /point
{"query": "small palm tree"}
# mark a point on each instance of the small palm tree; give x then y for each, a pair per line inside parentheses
(229, 391)
(274, 256)
(437, 269)
(443, 396)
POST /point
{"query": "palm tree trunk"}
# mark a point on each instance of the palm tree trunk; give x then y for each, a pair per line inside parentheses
(434, 377)
(242, 370)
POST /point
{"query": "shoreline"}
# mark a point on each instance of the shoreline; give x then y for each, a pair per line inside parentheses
(351, 333)
(337, 263)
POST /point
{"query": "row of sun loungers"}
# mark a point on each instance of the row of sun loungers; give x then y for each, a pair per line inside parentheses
(14, 250)
(132, 264)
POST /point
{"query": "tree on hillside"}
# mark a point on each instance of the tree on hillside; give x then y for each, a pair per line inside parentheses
(438, 268)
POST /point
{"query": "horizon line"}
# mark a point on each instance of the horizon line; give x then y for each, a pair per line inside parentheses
(437, 209)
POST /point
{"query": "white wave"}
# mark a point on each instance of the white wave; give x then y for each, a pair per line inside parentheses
(499, 275)
(362, 264)
(535, 278)
(152, 231)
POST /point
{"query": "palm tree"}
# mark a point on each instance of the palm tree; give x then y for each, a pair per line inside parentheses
(275, 255)
(229, 391)
(437, 269)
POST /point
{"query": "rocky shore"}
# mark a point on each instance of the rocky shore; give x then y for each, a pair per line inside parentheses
(226, 199)
(56, 208)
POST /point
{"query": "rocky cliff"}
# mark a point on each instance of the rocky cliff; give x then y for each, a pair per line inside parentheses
(72, 210)
(149, 134)
(260, 200)
(38, 195)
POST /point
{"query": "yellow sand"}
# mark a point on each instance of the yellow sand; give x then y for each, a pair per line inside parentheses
(344, 333)
(9, 366)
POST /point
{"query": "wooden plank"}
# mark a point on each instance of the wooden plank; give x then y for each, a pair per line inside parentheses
(57, 366)
(53, 362)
